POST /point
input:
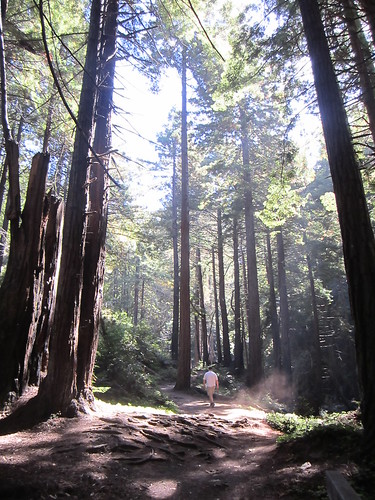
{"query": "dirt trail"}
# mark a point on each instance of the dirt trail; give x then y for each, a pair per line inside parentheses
(226, 452)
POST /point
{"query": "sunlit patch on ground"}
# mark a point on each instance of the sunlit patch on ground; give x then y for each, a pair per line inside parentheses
(162, 489)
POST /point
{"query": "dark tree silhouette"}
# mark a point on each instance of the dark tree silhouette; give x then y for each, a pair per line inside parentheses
(357, 235)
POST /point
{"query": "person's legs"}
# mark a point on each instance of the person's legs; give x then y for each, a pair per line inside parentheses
(210, 394)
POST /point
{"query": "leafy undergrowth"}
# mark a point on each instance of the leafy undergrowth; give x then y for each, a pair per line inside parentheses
(130, 365)
(330, 436)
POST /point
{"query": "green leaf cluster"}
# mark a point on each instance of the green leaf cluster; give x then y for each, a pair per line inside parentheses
(129, 362)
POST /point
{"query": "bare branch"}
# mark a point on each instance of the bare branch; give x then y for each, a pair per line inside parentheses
(204, 30)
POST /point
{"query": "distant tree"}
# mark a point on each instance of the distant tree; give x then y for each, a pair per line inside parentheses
(176, 272)
(202, 308)
(275, 326)
(216, 306)
(222, 298)
(238, 344)
(286, 362)
(316, 394)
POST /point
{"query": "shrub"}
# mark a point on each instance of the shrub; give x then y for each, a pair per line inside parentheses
(129, 362)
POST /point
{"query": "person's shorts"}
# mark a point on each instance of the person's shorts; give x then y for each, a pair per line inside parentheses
(210, 390)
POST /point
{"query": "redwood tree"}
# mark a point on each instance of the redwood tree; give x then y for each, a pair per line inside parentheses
(60, 388)
(286, 363)
(97, 202)
(275, 325)
(356, 230)
(184, 347)
(17, 292)
(255, 367)
(222, 299)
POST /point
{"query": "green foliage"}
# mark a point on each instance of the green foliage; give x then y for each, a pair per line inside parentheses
(129, 363)
(281, 204)
(295, 426)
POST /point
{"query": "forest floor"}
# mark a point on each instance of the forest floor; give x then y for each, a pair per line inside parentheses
(225, 452)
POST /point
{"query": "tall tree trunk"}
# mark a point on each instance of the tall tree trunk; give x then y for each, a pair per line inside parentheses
(97, 203)
(255, 368)
(216, 305)
(286, 363)
(184, 348)
(357, 235)
(59, 389)
(176, 276)
(222, 300)
(196, 314)
(363, 61)
(245, 304)
(202, 308)
(17, 292)
(238, 347)
(275, 326)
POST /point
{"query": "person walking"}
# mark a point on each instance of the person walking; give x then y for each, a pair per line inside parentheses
(210, 383)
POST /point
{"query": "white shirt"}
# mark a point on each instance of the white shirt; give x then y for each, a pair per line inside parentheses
(210, 378)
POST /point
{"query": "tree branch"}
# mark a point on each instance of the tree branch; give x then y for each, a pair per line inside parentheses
(3, 85)
(204, 30)
(61, 94)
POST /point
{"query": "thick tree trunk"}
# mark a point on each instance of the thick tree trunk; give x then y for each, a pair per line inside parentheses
(222, 300)
(184, 348)
(238, 346)
(255, 368)
(216, 304)
(176, 275)
(286, 363)
(275, 326)
(58, 390)
(96, 219)
(357, 235)
(17, 292)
